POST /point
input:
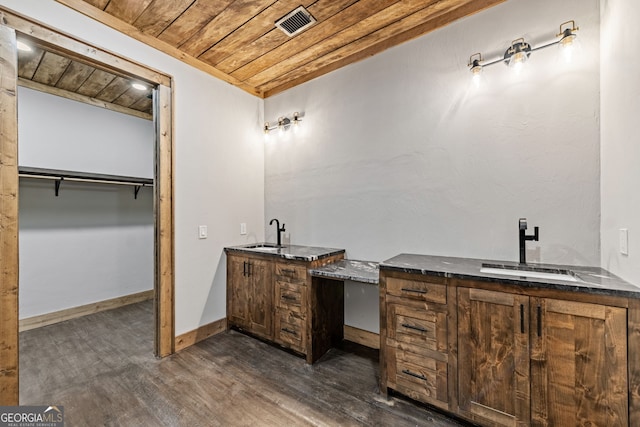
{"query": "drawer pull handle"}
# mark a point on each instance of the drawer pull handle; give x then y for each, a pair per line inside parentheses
(415, 291)
(415, 328)
(420, 377)
(288, 297)
(289, 331)
(288, 271)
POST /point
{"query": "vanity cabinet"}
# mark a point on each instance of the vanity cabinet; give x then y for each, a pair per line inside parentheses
(507, 355)
(493, 356)
(250, 296)
(541, 361)
(292, 309)
(416, 323)
(275, 299)
(578, 364)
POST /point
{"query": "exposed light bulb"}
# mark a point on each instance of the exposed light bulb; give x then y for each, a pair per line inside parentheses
(568, 45)
(517, 60)
(476, 71)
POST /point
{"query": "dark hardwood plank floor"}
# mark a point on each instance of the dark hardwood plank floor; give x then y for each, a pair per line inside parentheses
(102, 370)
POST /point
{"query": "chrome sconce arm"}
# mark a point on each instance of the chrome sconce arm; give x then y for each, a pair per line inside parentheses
(519, 50)
(283, 123)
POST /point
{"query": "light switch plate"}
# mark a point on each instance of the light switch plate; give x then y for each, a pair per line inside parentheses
(202, 232)
(624, 241)
(243, 228)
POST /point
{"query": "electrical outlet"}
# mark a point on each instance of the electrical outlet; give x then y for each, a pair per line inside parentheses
(202, 232)
(243, 228)
(624, 241)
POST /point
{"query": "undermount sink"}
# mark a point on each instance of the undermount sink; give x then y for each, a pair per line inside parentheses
(264, 247)
(530, 272)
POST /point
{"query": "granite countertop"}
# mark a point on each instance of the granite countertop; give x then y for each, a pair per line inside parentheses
(294, 252)
(589, 279)
(349, 269)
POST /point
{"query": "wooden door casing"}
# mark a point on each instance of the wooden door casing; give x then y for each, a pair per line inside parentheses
(9, 346)
(493, 357)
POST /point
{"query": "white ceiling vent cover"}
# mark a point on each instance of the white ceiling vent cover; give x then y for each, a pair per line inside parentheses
(295, 21)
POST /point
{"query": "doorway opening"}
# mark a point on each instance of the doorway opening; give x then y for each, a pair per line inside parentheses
(88, 60)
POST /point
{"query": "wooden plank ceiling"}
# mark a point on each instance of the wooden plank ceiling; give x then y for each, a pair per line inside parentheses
(236, 40)
(56, 73)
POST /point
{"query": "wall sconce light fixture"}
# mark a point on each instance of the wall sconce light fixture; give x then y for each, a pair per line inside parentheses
(283, 123)
(518, 53)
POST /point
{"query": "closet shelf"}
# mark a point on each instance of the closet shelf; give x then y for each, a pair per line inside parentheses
(61, 175)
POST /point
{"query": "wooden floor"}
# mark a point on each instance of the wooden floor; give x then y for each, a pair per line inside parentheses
(102, 370)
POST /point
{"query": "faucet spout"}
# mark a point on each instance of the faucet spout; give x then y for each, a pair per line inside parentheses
(523, 237)
(279, 230)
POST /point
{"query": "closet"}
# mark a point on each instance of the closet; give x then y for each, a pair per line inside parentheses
(86, 220)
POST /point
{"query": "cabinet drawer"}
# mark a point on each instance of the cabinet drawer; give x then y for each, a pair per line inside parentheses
(291, 273)
(291, 297)
(290, 327)
(418, 290)
(418, 327)
(421, 378)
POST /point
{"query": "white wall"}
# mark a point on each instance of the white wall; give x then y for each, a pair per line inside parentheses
(402, 153)
(93, 242)
(219, 160)
(58, 133)
(620, 150)
(90, 244)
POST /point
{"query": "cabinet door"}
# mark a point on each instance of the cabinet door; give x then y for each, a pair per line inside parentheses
(578, 364)
(493, 357)
(260, 296)
(237, 291)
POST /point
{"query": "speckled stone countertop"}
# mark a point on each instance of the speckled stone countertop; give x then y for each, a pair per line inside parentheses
(349, 269)
(593, 280)
(293, 252)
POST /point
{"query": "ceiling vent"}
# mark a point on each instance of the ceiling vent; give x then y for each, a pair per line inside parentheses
(295, 21)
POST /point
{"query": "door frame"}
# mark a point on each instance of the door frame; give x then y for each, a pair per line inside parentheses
(11, 24)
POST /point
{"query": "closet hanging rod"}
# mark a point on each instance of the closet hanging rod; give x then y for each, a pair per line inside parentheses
(99, 181)
(59, 175)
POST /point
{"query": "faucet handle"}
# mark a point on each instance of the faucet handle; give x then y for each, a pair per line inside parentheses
(522, 223)
(282, 229)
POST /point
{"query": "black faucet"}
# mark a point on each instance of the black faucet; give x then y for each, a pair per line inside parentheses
(522, 224)
(279, 230)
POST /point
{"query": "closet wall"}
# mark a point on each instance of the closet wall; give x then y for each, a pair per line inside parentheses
(94, 241)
